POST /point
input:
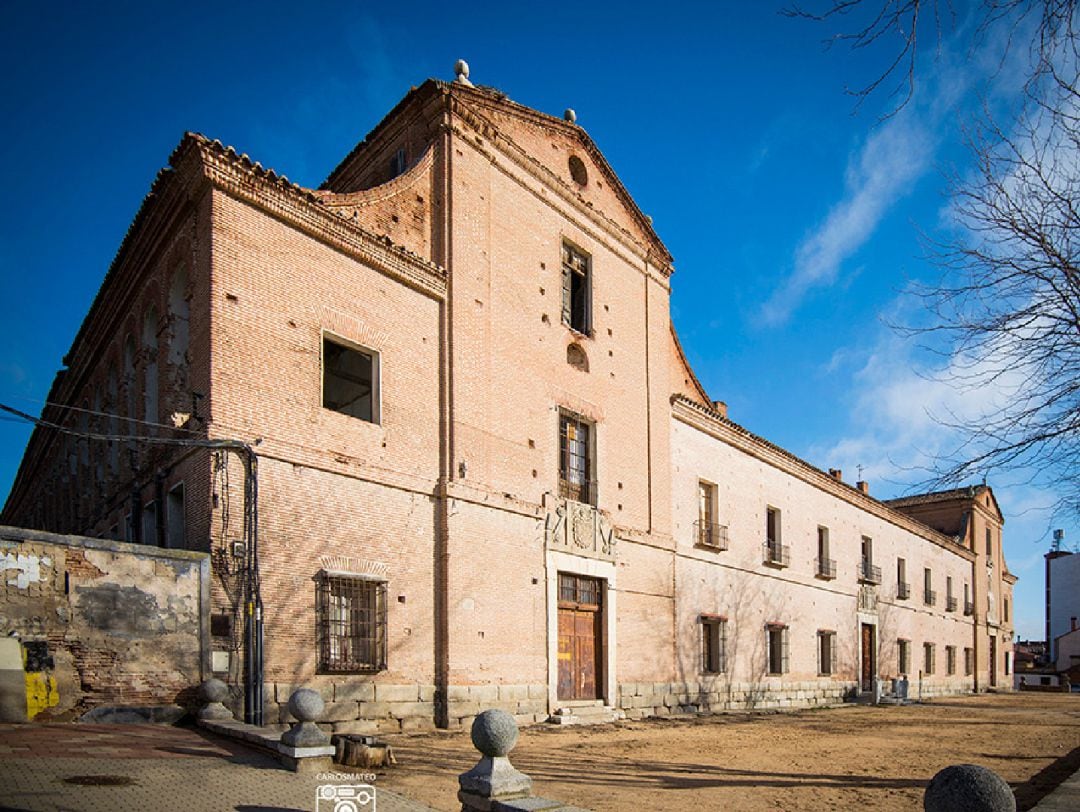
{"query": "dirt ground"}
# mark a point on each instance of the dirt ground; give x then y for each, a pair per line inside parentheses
(856, 757)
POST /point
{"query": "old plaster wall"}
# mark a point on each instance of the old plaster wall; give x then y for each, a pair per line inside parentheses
(108, 623)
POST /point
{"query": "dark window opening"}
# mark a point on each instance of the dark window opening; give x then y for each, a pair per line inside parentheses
(778, 649)
(713, 645)
(575, 460)
(576, 293)
(826, 653)
(349, 381)
(176, 524)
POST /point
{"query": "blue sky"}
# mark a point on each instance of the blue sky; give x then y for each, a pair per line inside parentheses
(794, 223)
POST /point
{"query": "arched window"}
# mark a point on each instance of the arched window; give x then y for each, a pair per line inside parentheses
(150, 371)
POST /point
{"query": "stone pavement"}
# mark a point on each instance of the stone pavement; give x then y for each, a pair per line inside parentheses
(1065, 798)
(114, 768)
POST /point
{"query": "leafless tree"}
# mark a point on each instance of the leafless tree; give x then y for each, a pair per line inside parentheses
(1008, 299)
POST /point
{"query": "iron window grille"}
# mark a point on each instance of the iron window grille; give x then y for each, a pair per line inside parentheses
(826, 653)
(929, 597)
(713, 644)
(575, 460)
(950, 604)
(777, 647)
(969, 662)
(904, 656)
(903, 590)
(928, 658)
(969, 608)
(950, 660)
(350, 625)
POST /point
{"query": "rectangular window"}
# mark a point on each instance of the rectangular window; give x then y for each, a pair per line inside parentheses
(397, 163)
(778, 648)
(175, 520)
(149, 524)
(776, 554)
(826, 652)
(969, 607)
(1008, 663)
(903, 656)
(950, 600)
(713, 644)
(950, 660)
(867, 571)
(576, 289)
(350, 624)
(350, 380)
(826, 567)
(1005, 610)
(707, 532)
(929, 596)
(903, 590)
(989, 544)
(928, 658)
(576, 454)
(969, 661)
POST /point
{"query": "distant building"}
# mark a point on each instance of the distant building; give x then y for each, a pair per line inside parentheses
(486, 474)
(1062, 596)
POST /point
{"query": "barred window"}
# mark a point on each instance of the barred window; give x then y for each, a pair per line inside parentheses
(713, 644)
(904, 656)
(969, 662)
(576, 454)
(826, 652)
(350, 624)
(928, 658)
(950, 660)
(778, 648)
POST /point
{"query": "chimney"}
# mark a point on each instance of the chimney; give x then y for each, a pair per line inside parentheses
(720, 407)
(836, 474)
(864, 487)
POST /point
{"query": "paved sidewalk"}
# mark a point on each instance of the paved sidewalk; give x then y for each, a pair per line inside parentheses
(151, 767)
(1065, 798)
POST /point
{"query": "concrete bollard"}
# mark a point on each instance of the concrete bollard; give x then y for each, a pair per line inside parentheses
(968, 788)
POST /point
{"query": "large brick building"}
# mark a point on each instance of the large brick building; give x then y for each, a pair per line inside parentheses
(486, 475)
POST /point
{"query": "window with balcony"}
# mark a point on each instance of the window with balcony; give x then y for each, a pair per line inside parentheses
(868, 573)
(350, 624)
(707, 532)
(576, 289)
(776, 554)
(777, 647)
(826, 640)
(576, 455)
(903, 589)
(713, 644)
(825, 567)
(969, 607)
(929, 595)
(950, 600)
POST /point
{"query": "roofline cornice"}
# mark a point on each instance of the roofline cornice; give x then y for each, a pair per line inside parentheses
(713, 424)
(237, 176)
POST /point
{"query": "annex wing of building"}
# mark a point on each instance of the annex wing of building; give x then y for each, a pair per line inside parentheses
(486, 474)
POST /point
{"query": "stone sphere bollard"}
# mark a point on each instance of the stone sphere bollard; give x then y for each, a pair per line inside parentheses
(968, 788)
(307, 706)
(494, 733)
(214, 692)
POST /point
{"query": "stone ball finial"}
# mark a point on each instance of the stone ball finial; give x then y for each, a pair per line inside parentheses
(494, 733)
(570, 115)
(968, 788)
(461, 68)
(306, 705)
(214, 690)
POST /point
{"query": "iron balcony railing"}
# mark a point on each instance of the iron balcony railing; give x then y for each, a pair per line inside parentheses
(825, 568)
(776, 554)
(950, 604)
(868, 573)
(583, 491)
(711, 535)
(969, 608)
(929, 597)
(903, 590)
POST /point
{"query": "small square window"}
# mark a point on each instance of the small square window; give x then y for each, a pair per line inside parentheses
(350, 624)
(713, 644)
(350, 380)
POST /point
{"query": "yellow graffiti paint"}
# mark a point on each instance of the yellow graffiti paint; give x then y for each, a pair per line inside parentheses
(41, 693)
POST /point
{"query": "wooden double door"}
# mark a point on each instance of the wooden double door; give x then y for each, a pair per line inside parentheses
(868, 649)
(580, 637)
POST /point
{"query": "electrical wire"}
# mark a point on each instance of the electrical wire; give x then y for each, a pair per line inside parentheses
(97, 413)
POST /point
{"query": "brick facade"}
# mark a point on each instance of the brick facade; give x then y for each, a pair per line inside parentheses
(436, 249)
